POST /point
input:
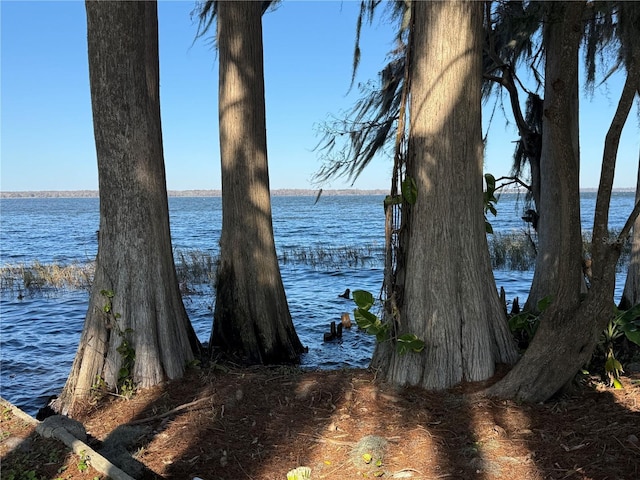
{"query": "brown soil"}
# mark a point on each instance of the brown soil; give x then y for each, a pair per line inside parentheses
(259, 423)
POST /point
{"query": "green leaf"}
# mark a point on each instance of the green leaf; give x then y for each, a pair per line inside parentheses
(417, 345)
(631, 315)
(489, 197)
(392, 200)
(617, 384)
(409, 341)
(613, 365)
(488, 227)
(363, 299)
(364, 318)
(633, 336)
(618, 366)
(519, 321)
(366, 457)
(629, 322)
(491, 182)
(409, 190)
(544, 303)
(381, 332)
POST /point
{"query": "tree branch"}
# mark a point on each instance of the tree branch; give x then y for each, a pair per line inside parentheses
(628, 225)
(609, 156)
(511, 182)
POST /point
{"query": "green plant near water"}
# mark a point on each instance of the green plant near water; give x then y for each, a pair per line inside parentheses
(625, 323)
(490, 200)
(37, 276)
(370, 322)
(408, 193)
(333, 257)
(99, 388)
(512, 251)
(125, 385)
(524, 325)
(195, 267)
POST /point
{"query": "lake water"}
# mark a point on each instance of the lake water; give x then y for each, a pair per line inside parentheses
(40, 332)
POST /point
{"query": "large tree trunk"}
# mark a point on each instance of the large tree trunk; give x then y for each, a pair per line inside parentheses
(447, 292)
(568, 333)
(631, 292)
(251, 317)
(558, 269)
(135, 296)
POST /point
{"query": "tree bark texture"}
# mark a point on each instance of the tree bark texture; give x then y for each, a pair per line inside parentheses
(251, 317)
(135, 258)
(629, 32)
(629, 35)
(631, 292)
(447, 291)
(558, 269)
(568, 332)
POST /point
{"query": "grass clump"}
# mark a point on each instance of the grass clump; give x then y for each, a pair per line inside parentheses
(517, 250)
(509, 251)
(38, 276)
(195, 267)
(334, 257)
(512, 251)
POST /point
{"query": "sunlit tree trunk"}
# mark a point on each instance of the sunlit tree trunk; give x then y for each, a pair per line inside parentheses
(251, 317)
(558, 269)
(135, 296)
(448, 296)
(568, 332)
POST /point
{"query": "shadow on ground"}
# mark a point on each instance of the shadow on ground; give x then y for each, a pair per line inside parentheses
(259, 423)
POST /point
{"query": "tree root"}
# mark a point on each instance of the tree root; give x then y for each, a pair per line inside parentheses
(97, 461)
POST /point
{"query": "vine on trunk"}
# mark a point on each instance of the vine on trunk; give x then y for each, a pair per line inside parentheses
(125, 385)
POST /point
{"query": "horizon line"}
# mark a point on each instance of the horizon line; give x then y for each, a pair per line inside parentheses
(202, 192)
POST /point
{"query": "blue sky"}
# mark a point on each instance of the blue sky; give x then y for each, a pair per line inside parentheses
(46, 133)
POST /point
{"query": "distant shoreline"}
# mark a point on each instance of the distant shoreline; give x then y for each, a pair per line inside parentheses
(188, 193)
(291, 192)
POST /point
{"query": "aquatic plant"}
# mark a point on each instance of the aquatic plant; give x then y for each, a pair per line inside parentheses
(195, 267)
(508, 251)
(320, 256)
(36, 276)
(512, 251)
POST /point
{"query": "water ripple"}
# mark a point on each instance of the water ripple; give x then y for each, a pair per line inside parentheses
(40, 333)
